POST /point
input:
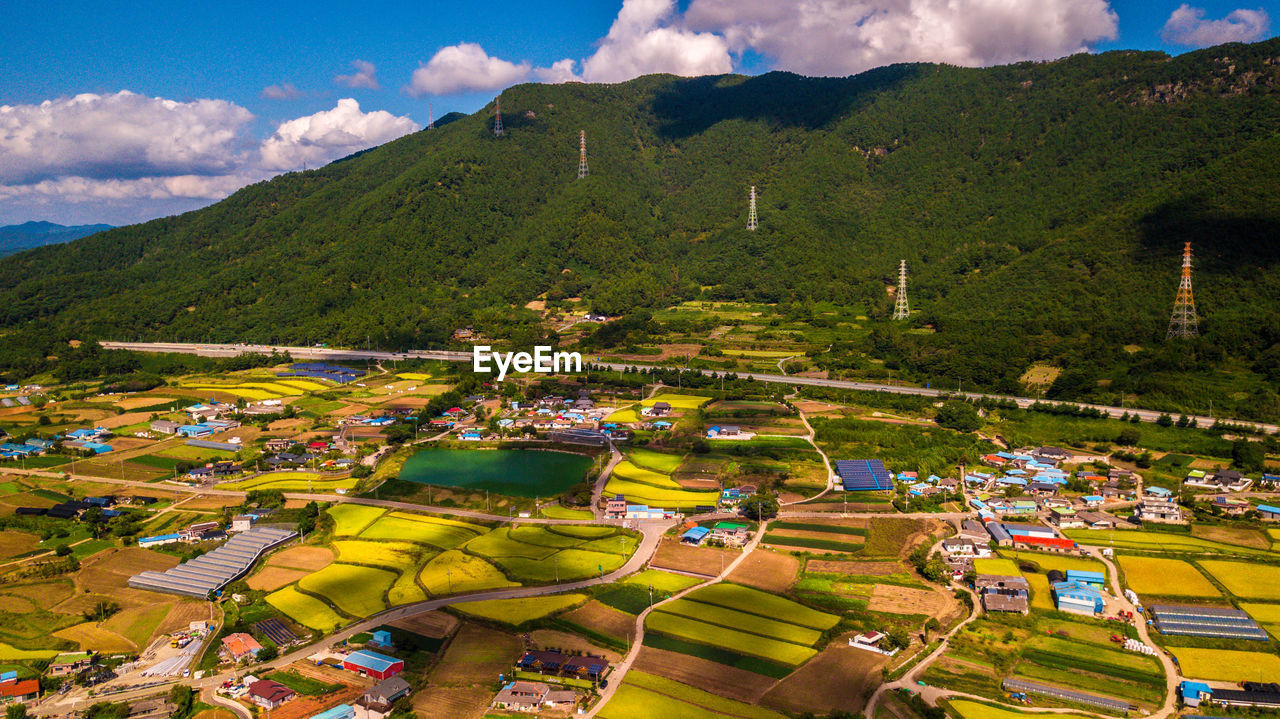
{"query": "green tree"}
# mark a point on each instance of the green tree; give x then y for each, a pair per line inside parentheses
(15, 711)
(1248, 456)
(958, 415)
(759, 506)
(1129, 437)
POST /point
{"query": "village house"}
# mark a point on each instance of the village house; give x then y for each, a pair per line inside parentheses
(1001, 593)
(240, 646)
(1158, 511)
(659, 409)
(269, 694)
(1223, 480)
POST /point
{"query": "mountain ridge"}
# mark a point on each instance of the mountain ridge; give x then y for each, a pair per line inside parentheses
(1050, 199)
(37, 233)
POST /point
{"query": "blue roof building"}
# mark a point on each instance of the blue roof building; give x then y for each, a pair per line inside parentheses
(1092, 578)
(1269, 511)
(695, 535)
(342, 711)
(1194, 692)
(382, 638)
(1077, 598)
(1159, 492)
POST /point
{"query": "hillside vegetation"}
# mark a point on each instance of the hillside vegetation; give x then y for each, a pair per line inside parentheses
(1041, 207)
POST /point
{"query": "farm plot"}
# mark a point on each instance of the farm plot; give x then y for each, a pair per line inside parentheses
(599, 618)
(437, 534)
(1165, 577)
(648, 695)
(657, 461)
(977, 710)
(786, 653)
(308, 559)
(1047, 562)
(476, 651)
(538, 554)
(677, 401)
(293, 481)
(706, 561)
(1244, 537)
(357, 591)
(352, 519)
(754, 601)
(305, 609)
(453, 572)
(996, 565)
(1091, 667)
(400, 556)
(748, 623)
(1157, 541)
(814, 535)
(838, 679)
(667, 498)
(769, 571)
(518, 611)
(893, 599)
(1249, 581)
(661, 581)
(703, 674)
(1228, 665)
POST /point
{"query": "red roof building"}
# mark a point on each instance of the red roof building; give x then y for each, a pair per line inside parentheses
(20, 691)
(268, 694)
(1053, 544)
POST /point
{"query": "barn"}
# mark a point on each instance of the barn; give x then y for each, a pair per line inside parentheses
(372, 664)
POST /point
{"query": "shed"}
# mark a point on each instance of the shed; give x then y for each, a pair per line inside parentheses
(695, 536)
(342, 711)
(1096, 579)
(379, 666)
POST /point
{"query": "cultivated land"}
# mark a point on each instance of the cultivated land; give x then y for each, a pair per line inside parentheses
(1165, 577)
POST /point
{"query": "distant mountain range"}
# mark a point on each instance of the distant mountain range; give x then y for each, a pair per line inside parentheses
(16, 238)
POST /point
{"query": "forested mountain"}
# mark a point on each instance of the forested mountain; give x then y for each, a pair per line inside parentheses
(16, 238)
(1042, 208)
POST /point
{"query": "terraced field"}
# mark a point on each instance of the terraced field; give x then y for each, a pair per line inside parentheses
(677, 401)
(453, 572)
(1157, 541)
(357, 591)
(744, 621)
(1249, 581)
(422, 530)
(351, 519)
(645, 486)
(293, 482)
(537, 554)
(305, 609)
(1165, 577)
(518, 611)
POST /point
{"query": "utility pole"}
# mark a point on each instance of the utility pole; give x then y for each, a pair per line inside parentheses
(497, 117)
(752, 223)
(1184, 322)
(901, 309)
(582, 154)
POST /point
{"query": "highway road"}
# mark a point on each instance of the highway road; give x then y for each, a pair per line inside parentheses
(331, 354)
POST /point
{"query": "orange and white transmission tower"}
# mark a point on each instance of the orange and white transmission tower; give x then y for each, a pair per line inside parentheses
(1184, 322)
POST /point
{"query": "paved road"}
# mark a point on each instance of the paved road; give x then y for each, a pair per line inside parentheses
(325, 353)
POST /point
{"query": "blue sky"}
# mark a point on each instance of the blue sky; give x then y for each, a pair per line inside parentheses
(151, 157)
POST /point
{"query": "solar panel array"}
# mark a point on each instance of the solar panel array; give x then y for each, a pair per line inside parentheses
(320, 370)
(210, 572)
(276, 631)
(864, 475)
(1093, 700)
(1214, 622)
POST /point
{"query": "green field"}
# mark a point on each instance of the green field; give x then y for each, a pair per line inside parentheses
(453, 572)
(625, 416)
(666, 463)
(423, 530)
(1250, 581)
(661, 581)
(357, 591)
(1165, 577)
(754, 601)
(1228, 665)
(645, 696)
(305, 609)
(400, 556)
(518, 611)
(565, 565)
(740, 621)
(10, 653)
(677, 401)
(1157, 541)
(1060, 562)
(731, 639)
(555, 511)
(977, 710)
(996, 565)
(293, 482)
(351, 519)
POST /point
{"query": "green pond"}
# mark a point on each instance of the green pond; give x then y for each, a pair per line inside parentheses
(515, 472)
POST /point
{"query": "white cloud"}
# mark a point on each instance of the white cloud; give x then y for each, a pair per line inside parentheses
(560, 71)
(465, 67)
(1188, 26)
(283, 91)
(647, 38)
(125, 157)
(325, 136)
(366, 76)
(842, 37)
(120, 136)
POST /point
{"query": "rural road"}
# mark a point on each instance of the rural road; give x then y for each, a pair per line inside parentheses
(326, 353)
(619, 672)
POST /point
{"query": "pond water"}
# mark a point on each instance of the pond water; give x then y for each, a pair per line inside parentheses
(515, 472)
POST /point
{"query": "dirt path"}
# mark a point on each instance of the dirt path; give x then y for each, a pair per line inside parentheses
(826, 461)
(620, 671)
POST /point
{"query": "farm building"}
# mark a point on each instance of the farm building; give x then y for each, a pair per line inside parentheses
(644, 511)
(70, 663)
(373, 664)
(1075, 697)
(695, 535)
(1268, 512)
(269, 694)
(240, 646)
(1213, 622)
(1254, 694)
(1045, 544)
(1194, 692)
(1097, 520)
(164, 426)
(1028, 530)
(381, 638)
(1077, 598)
(863, 475)
(211, 572)
(158, 540)
(1158, 511)
(21, 691)
(616, 507)
(521, 696)
(1093, 579)
(242, 522)
(384, 694)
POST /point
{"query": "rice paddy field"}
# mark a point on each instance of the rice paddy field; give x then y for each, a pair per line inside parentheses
(1157, 541)
(746, 621)
(293, 482)
(657, 461)
(422, 530)
(968, 709)
(1249, 581)
(538, 554)
(305, 609)
(646, 486)
(398, 556)
(1165, 577)
(626, 416)
(515, 612)
(1227, 665)
(357, 591)
(453, 572)
(661, 581)
(996, 565)
(351, 519)
(677, 401)
(647, 696)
